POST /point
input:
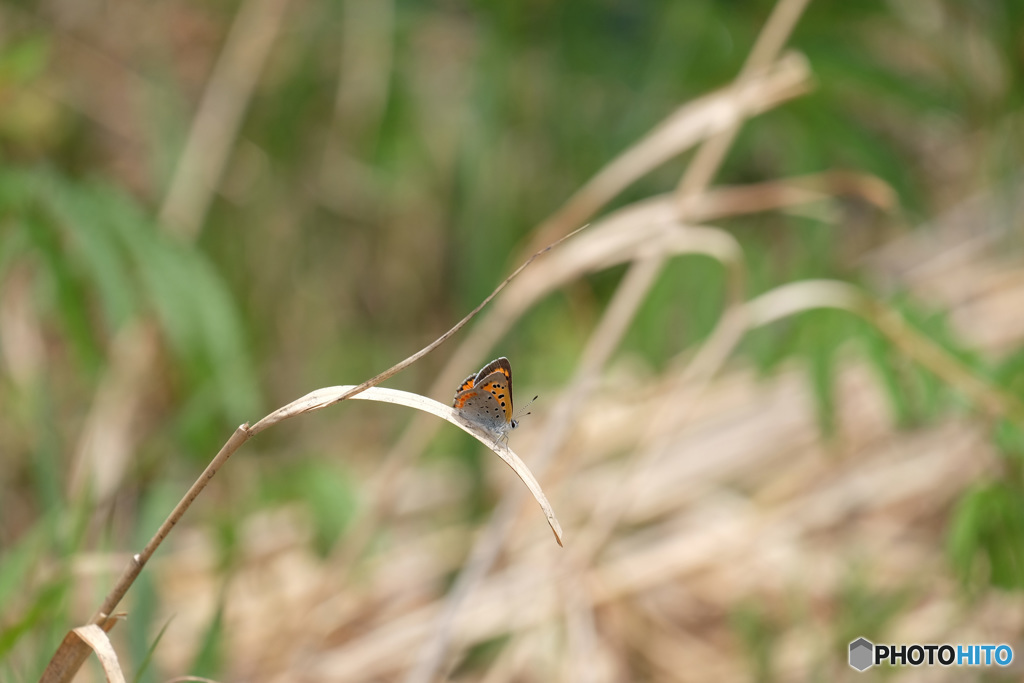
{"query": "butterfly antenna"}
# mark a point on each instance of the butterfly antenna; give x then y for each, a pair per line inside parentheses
(522, 412)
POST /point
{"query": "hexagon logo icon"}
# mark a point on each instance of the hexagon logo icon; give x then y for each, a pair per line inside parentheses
(861, 654)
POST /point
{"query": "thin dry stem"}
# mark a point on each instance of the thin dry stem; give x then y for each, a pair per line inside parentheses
(137, 562)
(520, 597)
(217, 120)
(109, 435)
(70, 657)
(623, 307)
(602, 343)
(610, 242)
(72, 653)
(766, 50)
(687, 126)
(777, 304)
(398, 367)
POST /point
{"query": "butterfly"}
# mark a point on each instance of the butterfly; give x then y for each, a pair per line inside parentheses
(484, 399)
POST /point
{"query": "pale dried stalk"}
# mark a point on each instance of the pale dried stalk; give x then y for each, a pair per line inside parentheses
(687, 126)
(769, 45)
(115, 408)
(693, 122)
(103, 452)
(707, 160)
(107, 441)
(520, 597)
(734, 325)
(620, 312)
(602, 343)
(683, 129)
(775, 305)
(364, 70)
(68, 658)
(96, 638)
(788, 299)
(72, 653)
(683, 396)
(603, 245)
(219, 116)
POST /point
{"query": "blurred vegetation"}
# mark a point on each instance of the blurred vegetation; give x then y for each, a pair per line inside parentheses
(351, 229)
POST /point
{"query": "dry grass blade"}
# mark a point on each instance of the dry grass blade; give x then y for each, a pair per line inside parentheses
(111, 429)
(623, 237)
(96, 638)
(71, 654)
(775, 195)
(628, 297)
(773, 306)
(799, 296)
(690, 124)
(602, 343)
(619, 238)
(215, 126)
(769, 45)
(719, 536)
(686, 127)
(322, 398)
(74, 650)
(739, 503)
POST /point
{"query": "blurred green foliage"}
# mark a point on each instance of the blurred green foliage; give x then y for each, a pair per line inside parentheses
(985, 538)
(101, 261)
(760, 639)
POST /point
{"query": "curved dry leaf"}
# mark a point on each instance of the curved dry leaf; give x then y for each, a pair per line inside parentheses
(96, 638)
(321, 398)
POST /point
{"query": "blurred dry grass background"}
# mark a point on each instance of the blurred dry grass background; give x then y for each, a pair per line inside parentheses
(780, 373)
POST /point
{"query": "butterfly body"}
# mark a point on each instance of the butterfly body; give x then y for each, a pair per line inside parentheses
(485, 398)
